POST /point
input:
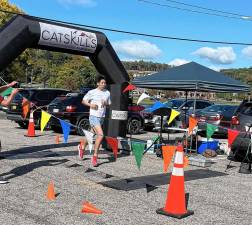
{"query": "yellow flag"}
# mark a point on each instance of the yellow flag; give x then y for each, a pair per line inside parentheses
(45, 117)
(173, 115)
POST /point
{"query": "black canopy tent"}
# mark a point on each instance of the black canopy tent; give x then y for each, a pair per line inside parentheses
(191, 77)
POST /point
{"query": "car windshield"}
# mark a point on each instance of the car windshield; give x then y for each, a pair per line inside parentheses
(65, 100)
(174, 103)
(22, 93)
(219, 108)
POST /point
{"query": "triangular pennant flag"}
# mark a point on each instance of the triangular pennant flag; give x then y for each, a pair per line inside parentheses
(232, 134)
(113, 143)
(130, 87)
(66, 129)
(173, 115)
(45, 117)
(192, 124)
(138, 149)
(6, 92)
(142, 97)
(210, 130)
(89, 136)
(150, 188)
(156, 105)
(25, 107)
(168, 152)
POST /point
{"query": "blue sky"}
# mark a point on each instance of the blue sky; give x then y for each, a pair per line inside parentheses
(137, 16)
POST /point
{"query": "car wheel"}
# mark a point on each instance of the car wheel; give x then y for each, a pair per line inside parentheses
(134, 126)
(83, 124)
(23, 125)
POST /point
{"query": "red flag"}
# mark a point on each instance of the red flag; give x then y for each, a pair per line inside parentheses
(232, 134)
(113, 142)
(25, 107)
(192, 123)
(130, 87)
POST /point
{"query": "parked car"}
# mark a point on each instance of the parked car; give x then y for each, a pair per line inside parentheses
(40, 97)
(70, 108)
(242, 121)
(185, 107)
(219, 115)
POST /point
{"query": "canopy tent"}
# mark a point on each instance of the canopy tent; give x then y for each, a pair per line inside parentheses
(191, 77)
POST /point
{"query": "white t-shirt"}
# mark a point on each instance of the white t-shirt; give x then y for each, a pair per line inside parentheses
(96, 97)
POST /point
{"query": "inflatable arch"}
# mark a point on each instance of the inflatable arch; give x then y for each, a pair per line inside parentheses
(23, 32)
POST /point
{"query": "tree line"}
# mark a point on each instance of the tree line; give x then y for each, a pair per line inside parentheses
(61, 70)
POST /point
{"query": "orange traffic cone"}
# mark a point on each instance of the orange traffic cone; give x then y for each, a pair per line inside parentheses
(31, 127)
(57, 139)
(175, 203)
(88, 208)
(50, 192)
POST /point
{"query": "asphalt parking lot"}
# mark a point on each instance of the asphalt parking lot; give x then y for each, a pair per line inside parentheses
(118, 188)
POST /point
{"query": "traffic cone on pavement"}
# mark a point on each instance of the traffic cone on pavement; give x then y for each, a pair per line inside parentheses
(80, 149)
(57, 139)
(88, 208)
(50, 192)
(31, 127)
(175, 202)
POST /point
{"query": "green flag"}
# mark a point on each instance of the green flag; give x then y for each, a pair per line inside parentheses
(155, 139)
(138, 149)
(210, 130)
(6, 92)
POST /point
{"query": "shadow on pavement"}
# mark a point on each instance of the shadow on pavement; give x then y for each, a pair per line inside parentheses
(24, 169)
(134, 183)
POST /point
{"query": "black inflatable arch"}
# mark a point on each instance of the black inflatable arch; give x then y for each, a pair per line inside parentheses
(23, 32)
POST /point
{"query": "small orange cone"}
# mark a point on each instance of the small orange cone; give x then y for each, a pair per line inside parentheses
(175, 202)
(88, 208)
(57, 139)
(50, 192)
(31, 127)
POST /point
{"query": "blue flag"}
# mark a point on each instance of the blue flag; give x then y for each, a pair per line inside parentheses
(157, 105)
(66, 129)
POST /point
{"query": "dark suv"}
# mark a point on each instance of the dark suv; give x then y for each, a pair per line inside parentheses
(242, 121)
(70, 108)
(40, 97)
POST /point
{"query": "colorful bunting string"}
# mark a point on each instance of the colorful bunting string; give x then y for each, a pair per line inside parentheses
(113, 143)
(142, 97)
(232, 134)
(130, 87)
(138, 149)
(66, 129)
(89, 136)
(173, 115)
(210, 130)
(168, 152)
(45, 117)
(192, 124)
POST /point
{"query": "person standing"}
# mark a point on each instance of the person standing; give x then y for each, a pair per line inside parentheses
(6, 102)
(97, 99)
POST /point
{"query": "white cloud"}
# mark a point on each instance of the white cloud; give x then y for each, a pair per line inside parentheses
(178, 62)
(247, 51)
(88, 3)
(137, 49)
(219, 55)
